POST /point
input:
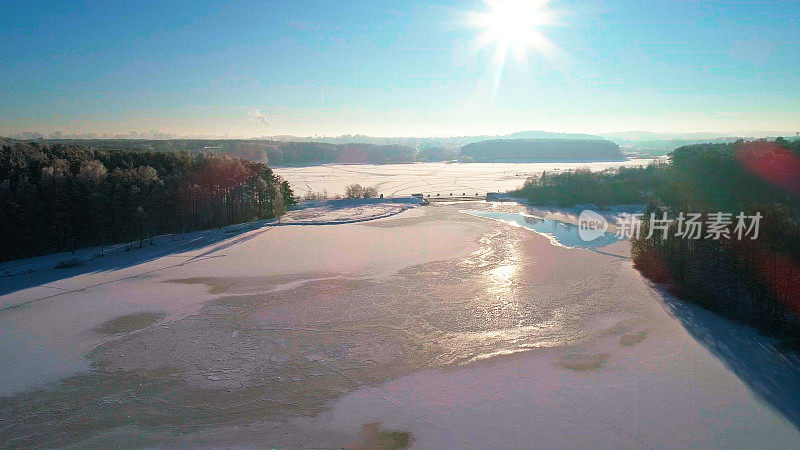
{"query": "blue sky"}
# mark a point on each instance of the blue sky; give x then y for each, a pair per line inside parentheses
(395, 68)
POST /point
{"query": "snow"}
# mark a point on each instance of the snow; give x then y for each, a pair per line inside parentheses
(326, 212)
(429, 178)
(463, 331)
(332, 212)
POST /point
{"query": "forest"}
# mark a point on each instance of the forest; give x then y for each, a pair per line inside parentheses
(61, 197)
(532, 150)
(272, 152)
(752, 280)
(301, 153)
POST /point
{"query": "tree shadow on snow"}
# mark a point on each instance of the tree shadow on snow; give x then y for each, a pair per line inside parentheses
(177, 250)
(772, 373)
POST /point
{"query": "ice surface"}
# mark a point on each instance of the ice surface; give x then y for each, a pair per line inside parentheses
(462, 331)
(429, 178)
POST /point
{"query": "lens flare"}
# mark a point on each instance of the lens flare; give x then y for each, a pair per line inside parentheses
(512, 27)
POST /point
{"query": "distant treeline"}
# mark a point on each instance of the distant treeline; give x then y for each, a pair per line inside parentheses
(58, 197)
(312, 153)
(532, 150)
(305, 153)
(274, 153)
(663, 147)
(625, 185)
(757, 281)
(420, 142)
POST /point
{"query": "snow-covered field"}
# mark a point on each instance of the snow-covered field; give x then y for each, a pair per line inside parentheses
(460, 331)
(428, 178)
(332, 212)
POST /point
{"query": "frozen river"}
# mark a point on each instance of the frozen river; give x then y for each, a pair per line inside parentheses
(429, 178)
(445, 329)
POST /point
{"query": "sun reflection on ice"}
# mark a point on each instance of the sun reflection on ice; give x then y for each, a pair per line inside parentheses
(503, 312)
(501, 279)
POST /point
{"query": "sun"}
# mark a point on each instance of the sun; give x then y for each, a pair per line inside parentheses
(513, 27)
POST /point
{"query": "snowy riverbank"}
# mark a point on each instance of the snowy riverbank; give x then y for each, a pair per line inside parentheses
(325, 212)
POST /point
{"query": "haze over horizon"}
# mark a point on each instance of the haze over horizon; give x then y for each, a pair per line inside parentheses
(445, 68)
(622, 136)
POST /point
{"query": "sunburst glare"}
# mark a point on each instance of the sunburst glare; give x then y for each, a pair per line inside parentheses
(513, 27)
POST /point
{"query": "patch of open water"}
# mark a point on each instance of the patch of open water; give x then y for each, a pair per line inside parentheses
(561, 234)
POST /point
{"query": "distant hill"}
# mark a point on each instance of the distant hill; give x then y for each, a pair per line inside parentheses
(446, 142)
(535, 150)
(659, 144)
(307, 151)
(638, 136)
(663, 147)
(314, 153)
(549, 135)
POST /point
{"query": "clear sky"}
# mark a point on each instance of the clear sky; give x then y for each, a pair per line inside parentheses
(396, 67)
